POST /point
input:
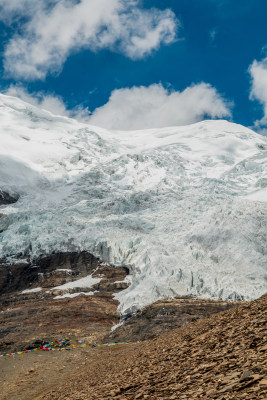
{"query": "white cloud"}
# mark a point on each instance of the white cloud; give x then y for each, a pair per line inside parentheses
(13, 9)
(154, 107)
(138, 107)
(54, 29)
(258, 72)
(49, 102)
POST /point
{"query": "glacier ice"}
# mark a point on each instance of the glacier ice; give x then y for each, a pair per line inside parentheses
(183, 207)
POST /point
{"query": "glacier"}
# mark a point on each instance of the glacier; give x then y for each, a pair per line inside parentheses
(184, 208)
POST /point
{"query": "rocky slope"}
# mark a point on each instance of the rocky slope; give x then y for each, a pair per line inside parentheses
(165, 315)
(221, 357)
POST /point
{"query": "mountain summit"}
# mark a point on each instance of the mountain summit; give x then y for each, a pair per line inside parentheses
(184, 208)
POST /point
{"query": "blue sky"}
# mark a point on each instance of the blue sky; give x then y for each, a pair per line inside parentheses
(164, 62)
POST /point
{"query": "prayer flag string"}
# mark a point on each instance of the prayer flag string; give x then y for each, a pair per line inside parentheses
(66, 344)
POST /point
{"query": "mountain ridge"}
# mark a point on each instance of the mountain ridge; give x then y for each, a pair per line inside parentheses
(184, 208)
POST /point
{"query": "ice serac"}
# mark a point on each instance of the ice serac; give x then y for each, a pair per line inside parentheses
(185, 208)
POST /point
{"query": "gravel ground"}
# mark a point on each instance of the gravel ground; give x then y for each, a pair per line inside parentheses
(221, 357)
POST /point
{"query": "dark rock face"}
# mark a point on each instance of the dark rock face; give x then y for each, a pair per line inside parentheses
(165, 315)
(54, 270)
(36, 316)
(5, 198)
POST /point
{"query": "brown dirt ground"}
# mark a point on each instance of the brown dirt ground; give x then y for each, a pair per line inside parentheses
(221, 357)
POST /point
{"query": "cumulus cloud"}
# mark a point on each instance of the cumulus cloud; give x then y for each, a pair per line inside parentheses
(52, 30)
(138, 107)
(12, 9)
(49, 102)
(258, 72)
(155, 107)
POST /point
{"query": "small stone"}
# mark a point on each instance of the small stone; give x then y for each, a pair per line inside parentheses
(263, 382)
(211, 392)
(247, 364)
(256, 377)
(229, 378)
(227, 388)
(245, 375)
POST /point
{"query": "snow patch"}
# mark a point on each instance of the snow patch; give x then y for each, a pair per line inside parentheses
(72, 295)
(127, 279)
(87, 282)
(28, 291)
(260, 195)
(64, 270)
(114, 327)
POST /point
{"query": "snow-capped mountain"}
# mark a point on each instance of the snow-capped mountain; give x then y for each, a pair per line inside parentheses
(184, 207)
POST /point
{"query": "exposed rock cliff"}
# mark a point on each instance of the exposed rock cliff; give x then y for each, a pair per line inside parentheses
(65, 294)
(6, 198)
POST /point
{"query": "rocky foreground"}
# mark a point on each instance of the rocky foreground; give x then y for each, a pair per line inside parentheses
(219, 357)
